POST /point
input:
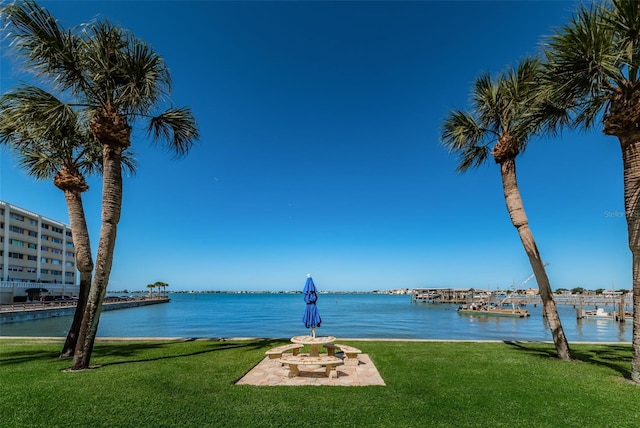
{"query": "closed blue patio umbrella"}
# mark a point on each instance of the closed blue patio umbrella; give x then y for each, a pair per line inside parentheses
(311, 317)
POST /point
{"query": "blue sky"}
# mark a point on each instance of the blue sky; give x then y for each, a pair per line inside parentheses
(319, 153)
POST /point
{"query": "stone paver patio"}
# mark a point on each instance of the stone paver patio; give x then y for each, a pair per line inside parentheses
(270, 372)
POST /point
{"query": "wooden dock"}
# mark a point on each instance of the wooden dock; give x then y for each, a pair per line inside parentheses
(457, 296)
(620, 304)
(440, 295)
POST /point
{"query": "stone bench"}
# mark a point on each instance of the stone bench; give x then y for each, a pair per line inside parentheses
(350, 353)
(327, 361)
(275, 353)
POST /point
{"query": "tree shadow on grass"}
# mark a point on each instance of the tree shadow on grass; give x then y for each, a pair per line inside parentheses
(131, 350)
(27, 356)
(128, 351)
(614, 357)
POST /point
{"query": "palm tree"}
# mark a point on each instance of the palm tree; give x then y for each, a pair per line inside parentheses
(119, 81)
(593, 70)
(151, 287)
(501, 125)
(51, 142)
(44, 134)
(164, 286)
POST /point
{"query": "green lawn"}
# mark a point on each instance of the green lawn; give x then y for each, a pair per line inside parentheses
(429, 384)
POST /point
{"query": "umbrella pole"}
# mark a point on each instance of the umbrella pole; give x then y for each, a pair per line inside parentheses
(313, 332)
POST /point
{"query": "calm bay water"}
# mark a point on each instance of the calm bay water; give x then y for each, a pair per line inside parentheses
(343, 315)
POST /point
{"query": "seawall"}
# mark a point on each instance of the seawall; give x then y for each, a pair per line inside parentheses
(34, 311)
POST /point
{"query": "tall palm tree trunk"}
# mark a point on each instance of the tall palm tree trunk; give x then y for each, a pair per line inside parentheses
(635, 357)
(631, 166)
(84, 264)
(111, 208)
(519, 219)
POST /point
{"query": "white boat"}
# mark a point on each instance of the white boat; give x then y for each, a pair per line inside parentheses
(598, 314)
(501, 309)
(494, 311)
(601, 314)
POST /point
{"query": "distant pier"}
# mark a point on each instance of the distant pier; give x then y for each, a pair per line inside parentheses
(621, 304)
(17, 312)
(440, 295)
(458, 296)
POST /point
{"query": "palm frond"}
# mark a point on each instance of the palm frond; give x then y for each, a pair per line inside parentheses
(145, 78)
(547, 116)
(522, 96)
(521, 84)
(46, 49)
(177, 127)
(46, 134)
(583, 63)
(128, 161)
(102, 46)
(472, 157)
(591, 113)
(460, 130)
(32, 110)
(87, 154)
(623, 18)
(487, 102)
(37, 162)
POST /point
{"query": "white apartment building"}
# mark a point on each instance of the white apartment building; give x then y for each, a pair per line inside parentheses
(35, 249)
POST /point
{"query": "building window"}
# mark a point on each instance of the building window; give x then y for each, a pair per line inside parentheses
(16, 229)
(56, 272)
(56, 262)
(69, 254)
(55, 251)
(56, 229)
(44, 260)
(32, 258)
(15, 255)
(13, 268)
(45, 237)
(32, 246)
(56, 240)
(32, 233)
(31, 270)
(68, 233)
(69, 244)
(69, 274)
(33, 222)
(45, 226)
(70, 264)
(16, 242)
(44, 271)
(16, 216)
